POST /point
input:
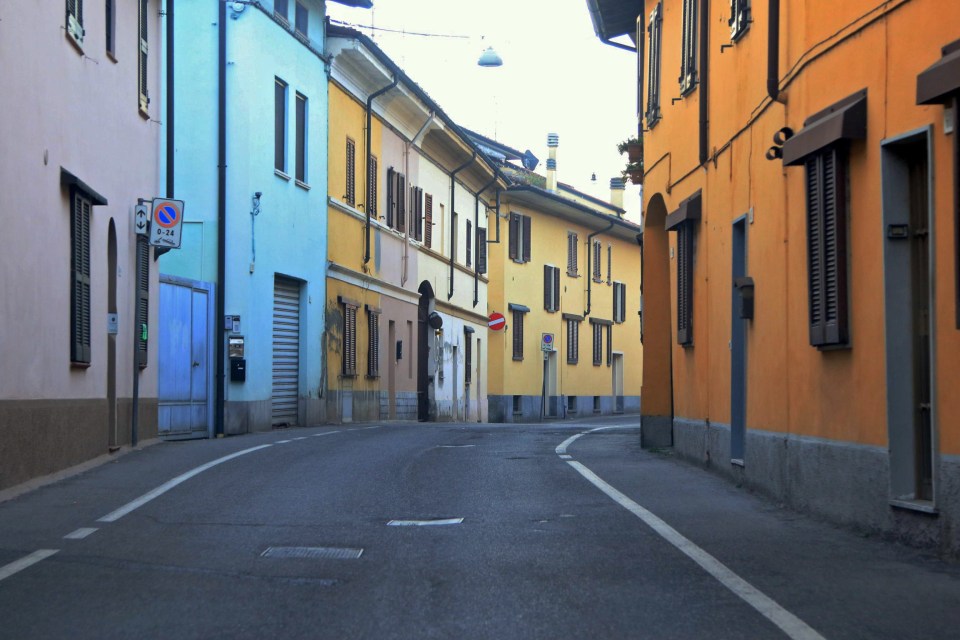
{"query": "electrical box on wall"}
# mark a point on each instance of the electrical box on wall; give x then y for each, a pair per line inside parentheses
(238, 370)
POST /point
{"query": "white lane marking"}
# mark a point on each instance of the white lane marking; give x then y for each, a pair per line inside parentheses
(301, 438)
(562, 448)
(365, 428)
(564, 456)
(455, 446)
(423, 523)
(281, 442)
(166, 486)
(325, 433)
(79, 534)
(791, 625)
(27, 561)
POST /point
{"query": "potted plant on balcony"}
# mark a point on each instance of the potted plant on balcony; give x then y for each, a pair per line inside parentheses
(634, 171)
(633, 147)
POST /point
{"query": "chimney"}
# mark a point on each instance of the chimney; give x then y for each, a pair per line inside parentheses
(617, 188)
(553, 141)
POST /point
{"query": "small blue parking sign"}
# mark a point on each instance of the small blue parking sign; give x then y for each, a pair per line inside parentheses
(546, 342)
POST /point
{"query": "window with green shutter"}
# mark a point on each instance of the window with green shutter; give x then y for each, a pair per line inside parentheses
(80, 283)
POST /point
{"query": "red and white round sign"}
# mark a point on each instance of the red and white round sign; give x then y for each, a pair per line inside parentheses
(497, 321)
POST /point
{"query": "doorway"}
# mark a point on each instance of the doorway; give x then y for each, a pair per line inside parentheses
(910, 325)
(617, 371)
(738, 346)
(423, 351)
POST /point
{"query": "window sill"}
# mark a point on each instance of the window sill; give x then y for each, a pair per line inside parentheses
(143, 113)
(737, 462)
(372, 377)
(302, 185)
(77, 44)
(516, 359)
(922, 506)
(79, 365)
(281, 174)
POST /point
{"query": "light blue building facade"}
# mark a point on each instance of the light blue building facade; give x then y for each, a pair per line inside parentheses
(246, 289)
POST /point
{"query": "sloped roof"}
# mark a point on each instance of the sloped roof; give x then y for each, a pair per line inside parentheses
(613, 18)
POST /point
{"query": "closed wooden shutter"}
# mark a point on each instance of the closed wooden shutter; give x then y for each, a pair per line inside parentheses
(609, 345)
(428, 220)
(142, 66)
(596, 261)
(468, 243)
(417, 208)
(518, 335)
(609, 264)
(280, 126)
(80, 263)
(616, 302)
(401, 202)
(548, 287)
(597, 344)
(350, 193)
(391, 196)
(514, 245)
(573, 341)
(373, 344)
(141, 326)
(481, 250)
(526, 238)
(556, 288)
(372, 187)
(685, 284)
(827, 248)
(467, 357)
(349, 340)
(571, 253)
(286, 351)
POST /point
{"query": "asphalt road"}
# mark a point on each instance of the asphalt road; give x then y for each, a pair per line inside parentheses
(561, 537)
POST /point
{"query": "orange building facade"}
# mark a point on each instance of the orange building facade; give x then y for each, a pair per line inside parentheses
(801, 238)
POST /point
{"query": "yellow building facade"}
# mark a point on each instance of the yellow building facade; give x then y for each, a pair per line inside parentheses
(565, 274)
(801, 250)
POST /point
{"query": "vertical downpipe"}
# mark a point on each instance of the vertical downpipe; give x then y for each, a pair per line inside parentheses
(704, 81)
(773, 50)
(221, 210)
(370, 99)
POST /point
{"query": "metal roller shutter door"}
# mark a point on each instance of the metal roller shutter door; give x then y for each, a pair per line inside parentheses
(286, 351)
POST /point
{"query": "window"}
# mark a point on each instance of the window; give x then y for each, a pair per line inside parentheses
(827, 246)
(685, 284)
(609, 264)
(467, 355)
(739, 18)
(396, 202)
(468, 238)
(688, 57)
(373, 342)
(597, 248)
(349, 346)
(281, 9)
(80, 283)
(74, 24)
(350, 190)
(453, 241)
(110, 14)
(572, 253)
(481, 250)
(428, 220)
(551, 288)
(142, 58)
(573, 340)
(655, 38)
(372, 187)
(301, 153)
(143, 299)
(279, 125)
(609, 345)
(519, 238)
(300, 22)
(416, 195)
(518, 310)
(597, 343)
(619, 302)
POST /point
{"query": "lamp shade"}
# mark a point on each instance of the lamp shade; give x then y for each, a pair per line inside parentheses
(490, 58)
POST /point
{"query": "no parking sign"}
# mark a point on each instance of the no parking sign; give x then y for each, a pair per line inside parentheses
(167, 218)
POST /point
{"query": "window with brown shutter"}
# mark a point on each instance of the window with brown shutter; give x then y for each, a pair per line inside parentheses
(391, 196)
(467, 355)
(401, 217)
(350, 192)
(526, 238)
(827, 247)
(468, 247)
(349, 347)
(144, 94)
(655, 40)
(416, 213)
(551, 288)
(619, 302)
(573, 340)
(597, 248)
(609, 264)
(518, 311)
(685, 284)
(597, 344)
(481, 250)
(688, 58)
(372, 187)
(428, 220)
(609, 345)
(572, 253)
(519, 244)
(373, 343)
(80, 289)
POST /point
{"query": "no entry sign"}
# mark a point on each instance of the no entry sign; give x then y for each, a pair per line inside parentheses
(497, 321)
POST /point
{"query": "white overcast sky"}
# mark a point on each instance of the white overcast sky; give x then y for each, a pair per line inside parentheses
(556, 77)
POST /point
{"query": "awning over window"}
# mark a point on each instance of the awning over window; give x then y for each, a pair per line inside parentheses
(689, 209)
(67, 179)
(518, 307)
(938, 82)
(844, 120)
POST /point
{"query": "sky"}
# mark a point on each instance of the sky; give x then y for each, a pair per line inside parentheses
(557, 77)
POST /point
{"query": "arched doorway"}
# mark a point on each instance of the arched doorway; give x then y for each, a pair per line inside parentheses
(112, 444)
(423, 350)
(656, 409)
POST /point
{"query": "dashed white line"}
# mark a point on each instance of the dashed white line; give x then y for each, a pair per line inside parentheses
(170, 484)
(325, 433)
(80, 534)
(424, 523)
(792, 626)
(16, 566)
(281, 442)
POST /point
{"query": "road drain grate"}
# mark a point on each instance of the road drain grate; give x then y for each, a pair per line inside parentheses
(312, 553)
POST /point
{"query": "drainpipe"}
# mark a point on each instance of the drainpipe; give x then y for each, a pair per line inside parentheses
(170, 58)
(704, 80)
(374, 95)
(589, 256)
(476, 243)
(221, 210)
(453, 229)
(773, 51)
